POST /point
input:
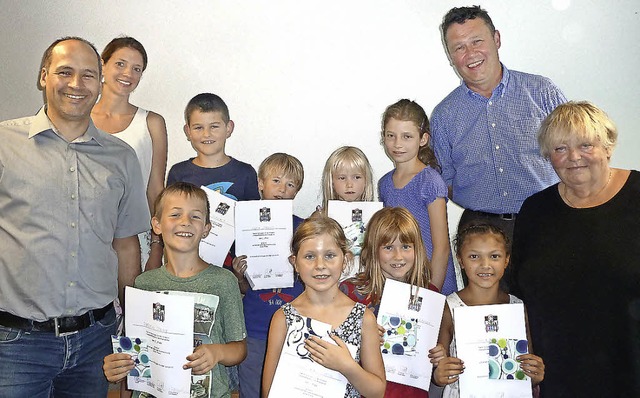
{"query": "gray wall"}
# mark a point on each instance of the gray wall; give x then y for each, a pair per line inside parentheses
(307, 77)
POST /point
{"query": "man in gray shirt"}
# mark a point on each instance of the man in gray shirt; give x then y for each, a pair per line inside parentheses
(71, 206)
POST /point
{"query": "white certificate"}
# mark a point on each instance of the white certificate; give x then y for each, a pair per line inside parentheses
(353, 217)
(263, 233)
(411, 318)
(215, 246)
(166, 322)
(488, 340)
(204, 308)
(297, 375)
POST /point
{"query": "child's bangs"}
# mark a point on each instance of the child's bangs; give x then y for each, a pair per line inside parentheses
(351, 162)
(394, 231)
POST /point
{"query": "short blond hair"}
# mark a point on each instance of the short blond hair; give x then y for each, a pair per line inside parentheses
(576, 120)
(186, 189)
(283, 163)
(351, 157)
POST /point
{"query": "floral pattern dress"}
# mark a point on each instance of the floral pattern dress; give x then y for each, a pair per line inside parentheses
(349, 331)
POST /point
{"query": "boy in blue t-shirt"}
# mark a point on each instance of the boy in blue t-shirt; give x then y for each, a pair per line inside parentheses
(280, 176)
(207, 127)
(182, 219)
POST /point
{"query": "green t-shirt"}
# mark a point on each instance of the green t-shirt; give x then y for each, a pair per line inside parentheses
(229, 319)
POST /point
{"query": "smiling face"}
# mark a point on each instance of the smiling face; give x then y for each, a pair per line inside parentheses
(320, 262)
(396, 260)
(71, 82)
(182, 222)
(581, 163)
(277, 186)
(484, 258)
(123, 71)
(349, 183)
(402, 140)
(473, 51)
(208, 132)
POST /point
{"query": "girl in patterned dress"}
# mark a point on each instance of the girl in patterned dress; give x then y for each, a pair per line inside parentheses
(483, 251)
(320, 252)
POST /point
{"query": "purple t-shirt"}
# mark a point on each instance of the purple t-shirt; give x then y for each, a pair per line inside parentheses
(420, 192)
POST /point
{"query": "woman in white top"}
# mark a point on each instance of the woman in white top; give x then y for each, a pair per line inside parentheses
(124, 60)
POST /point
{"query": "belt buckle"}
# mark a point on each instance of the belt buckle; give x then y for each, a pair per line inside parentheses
(507, 216)
(56, 326)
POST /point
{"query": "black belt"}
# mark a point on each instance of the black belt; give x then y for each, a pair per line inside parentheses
(61, 326)
(503, 216)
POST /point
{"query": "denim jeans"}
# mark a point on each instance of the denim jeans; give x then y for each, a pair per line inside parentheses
(41, 365)
(250, 370)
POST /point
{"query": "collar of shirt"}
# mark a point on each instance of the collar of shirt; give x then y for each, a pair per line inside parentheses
(41, 123)
(498, 90)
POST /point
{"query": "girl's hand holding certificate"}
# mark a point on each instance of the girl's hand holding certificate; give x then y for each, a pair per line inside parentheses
(333, 356)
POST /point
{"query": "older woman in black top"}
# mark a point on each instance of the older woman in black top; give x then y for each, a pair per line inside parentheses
(576, 260)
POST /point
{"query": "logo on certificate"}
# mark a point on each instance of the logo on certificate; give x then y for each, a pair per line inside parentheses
(265, 214)
(491, 323)
(356, 215)
(415, 303)
(222, 208)
(158, 312)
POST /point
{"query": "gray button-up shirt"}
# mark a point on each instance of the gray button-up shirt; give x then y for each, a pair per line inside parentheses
(61, 205)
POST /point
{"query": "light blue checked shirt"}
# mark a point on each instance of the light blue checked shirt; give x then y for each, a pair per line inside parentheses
(488, 148)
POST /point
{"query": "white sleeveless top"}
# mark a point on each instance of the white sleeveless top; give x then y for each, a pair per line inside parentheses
(138, 137)
(454, 301)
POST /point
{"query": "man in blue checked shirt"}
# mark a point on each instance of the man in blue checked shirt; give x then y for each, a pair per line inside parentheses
(485, 131)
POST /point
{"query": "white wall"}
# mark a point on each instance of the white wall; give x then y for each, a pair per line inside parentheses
(306, 77)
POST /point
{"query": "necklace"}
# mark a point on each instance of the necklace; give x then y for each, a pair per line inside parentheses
(596, 195)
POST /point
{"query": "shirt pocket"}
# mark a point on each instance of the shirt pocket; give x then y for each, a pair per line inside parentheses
(102, 205)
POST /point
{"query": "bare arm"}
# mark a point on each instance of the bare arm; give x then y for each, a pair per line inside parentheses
(277, 334)
(239, 266)
(449, 368)
(446, 329)
(374, 381)
(531, 364)
(368, 377)
(206, 356)
(440, 239)
(128, 251)
(158, 132)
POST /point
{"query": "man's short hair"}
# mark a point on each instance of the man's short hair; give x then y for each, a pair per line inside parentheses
(46, 57)
(206, 102)
(283, 163)
(462, 14)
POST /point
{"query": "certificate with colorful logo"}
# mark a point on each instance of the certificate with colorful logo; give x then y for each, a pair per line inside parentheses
(411, 318)
(489, 338)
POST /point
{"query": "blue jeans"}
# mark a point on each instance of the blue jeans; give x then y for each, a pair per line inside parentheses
(41, 365)
(250, 370)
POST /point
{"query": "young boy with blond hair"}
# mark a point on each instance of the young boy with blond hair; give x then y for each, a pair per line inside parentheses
(182, 219)
(280, 176)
